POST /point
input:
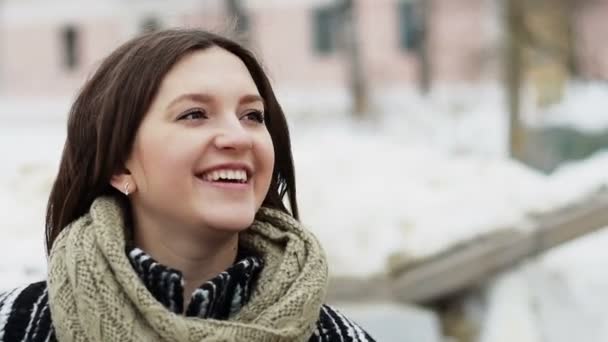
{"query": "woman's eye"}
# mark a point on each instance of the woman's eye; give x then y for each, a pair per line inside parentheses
(192, 115)
(256, 116)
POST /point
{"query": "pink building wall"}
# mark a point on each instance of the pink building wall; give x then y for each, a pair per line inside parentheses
(31, 57)
(282, 35)
(283, 39)
(385, 62)
(457, 41)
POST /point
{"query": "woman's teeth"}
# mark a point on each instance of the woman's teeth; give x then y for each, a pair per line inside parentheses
(239, 176)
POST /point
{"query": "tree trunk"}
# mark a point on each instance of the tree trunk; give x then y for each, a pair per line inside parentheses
(237, 12)
(572, 9)
(351, 48)
(424, 12)
(513, 76)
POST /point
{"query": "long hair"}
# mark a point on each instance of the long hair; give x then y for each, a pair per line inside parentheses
(110, 107)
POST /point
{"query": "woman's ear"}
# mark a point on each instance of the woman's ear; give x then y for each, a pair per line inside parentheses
(124, 182)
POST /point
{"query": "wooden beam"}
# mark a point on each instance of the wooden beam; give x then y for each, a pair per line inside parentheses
(468, 265)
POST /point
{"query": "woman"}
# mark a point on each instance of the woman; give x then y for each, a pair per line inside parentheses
(174, 173)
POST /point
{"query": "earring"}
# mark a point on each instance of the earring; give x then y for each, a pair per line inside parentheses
(127, 189)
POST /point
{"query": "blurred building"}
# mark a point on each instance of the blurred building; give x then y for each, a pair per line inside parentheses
(49, 47)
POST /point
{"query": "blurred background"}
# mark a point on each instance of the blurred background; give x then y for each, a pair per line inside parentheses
(450, 154)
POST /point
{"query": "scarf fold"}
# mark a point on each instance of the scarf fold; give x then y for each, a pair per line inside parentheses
(218, 298)
(96, 295)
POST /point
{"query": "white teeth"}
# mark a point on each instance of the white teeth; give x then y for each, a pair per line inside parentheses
(214, 176)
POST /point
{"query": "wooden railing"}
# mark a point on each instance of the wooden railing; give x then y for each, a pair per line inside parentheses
(470, 264)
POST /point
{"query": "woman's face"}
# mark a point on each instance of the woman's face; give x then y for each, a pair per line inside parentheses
(202, 157)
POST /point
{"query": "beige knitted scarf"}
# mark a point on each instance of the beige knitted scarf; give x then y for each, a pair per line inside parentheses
(96, 295)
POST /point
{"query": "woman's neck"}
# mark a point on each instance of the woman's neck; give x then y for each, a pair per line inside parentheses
(198, 259)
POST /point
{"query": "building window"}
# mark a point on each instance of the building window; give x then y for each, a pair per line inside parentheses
(69, 36)
(410, 26)
(325, 25)
(150, 24)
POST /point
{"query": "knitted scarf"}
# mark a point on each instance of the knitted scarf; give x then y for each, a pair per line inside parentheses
(95, 294)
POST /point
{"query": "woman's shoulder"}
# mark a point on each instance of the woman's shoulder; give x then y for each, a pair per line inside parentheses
(25, 295)
(23, 311)
(335, 326)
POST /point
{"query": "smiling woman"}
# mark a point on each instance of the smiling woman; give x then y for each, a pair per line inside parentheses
(187, 151)
(166, 221)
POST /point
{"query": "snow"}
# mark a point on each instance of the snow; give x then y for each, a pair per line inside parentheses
(390, 322)
(558, 297)
(583, 107)
(381, 197)
(509, 317)
(30, 157)
(572, 293)
(427, 175)
(578, 179)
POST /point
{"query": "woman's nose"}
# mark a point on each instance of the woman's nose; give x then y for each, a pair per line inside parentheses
(233, 136)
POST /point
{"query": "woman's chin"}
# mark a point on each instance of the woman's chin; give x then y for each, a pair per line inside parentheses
(229, 222)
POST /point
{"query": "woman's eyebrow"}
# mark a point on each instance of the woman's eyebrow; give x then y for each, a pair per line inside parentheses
(195, 97)
(251, 98)
(206, 98)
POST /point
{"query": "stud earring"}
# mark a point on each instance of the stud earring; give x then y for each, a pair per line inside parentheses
(127, 189)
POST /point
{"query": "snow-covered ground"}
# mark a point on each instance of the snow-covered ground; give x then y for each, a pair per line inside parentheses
(423, 177)
(583, 108)
(30, 154)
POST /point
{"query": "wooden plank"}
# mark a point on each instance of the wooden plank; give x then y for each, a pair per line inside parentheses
(575, 222)
(458, 269)
(375, 288)
(470, 264)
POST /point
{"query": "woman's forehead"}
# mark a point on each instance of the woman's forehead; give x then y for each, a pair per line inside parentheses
(212, 71)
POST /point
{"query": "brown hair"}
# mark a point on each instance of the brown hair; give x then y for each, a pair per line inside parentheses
(110, 107)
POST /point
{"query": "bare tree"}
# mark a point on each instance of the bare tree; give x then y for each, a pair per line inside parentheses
(350, 43)
(236, 11)
(424, 12)
(540, 48)
(514, 75)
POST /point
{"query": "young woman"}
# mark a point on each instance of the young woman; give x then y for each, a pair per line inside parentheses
(167, 221)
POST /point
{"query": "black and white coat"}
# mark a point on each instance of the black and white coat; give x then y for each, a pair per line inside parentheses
(25, 315)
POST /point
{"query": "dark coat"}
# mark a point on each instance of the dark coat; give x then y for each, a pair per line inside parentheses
(25, 315)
